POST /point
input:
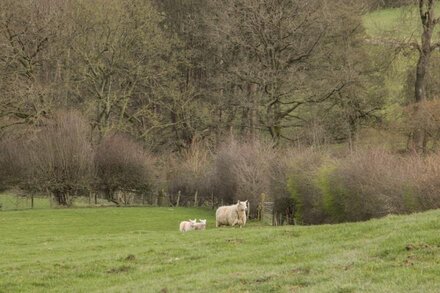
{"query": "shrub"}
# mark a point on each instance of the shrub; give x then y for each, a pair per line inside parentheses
(60, 157)
(361, 185)
(243, 170)
(301, 182)
(189, 172)
(12, 156)
(332, 194)
(368, 184)
(284, 210)
(424, 175)
(123, 165)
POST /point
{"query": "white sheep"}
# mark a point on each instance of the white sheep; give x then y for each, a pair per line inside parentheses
(201, 225)
(187, 225)
(232, 215)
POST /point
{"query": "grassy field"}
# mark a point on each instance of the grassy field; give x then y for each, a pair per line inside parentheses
(141, 250)
(10, 201)
(396, 23)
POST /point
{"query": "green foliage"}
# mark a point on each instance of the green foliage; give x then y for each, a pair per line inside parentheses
(141, 249)
(360, 185)
(331, 195)
(299, 206)
(410, 199)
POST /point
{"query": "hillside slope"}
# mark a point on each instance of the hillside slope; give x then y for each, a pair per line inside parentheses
(140, 249)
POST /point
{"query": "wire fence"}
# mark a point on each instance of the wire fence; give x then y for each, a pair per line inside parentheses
(9, 201)
(18, 201)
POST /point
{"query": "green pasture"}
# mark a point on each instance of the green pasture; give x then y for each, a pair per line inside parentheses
(141, 250)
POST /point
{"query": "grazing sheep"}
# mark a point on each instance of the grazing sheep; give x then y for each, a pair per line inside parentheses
(187, 225)
(231, 215)
(201, 225)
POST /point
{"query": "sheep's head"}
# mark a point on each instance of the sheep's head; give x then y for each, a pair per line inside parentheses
(203, 221)
(242, 205)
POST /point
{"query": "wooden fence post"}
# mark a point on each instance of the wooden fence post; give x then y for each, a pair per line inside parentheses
(178, 198)
(195, 198)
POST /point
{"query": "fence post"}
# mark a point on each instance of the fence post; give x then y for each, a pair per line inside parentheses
(195, 198)
(178, 198)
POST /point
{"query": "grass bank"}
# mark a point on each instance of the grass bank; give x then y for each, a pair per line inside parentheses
(141, 250)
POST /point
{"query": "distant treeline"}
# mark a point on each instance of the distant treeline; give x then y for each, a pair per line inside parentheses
(172, 72)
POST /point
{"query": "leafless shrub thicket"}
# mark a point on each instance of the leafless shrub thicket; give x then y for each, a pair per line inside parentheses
(123, 165)
(321, 186)
(11, 159)
(188, 173)
(244, 170)
(60, 157)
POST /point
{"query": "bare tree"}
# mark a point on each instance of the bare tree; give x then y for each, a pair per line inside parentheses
(276, 57)
(425, 49)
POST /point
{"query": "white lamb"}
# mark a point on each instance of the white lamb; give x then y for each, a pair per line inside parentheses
(231, 215)
(201, 225)
(186, 226)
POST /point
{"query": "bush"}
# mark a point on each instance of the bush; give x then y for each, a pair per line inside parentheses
(368, 184)
(284, 210)
(362, 185)
(12, 156)
(123, 165)
(424, 175)
(61, 157)
(303, 166)
(243, 170)
(189, 172)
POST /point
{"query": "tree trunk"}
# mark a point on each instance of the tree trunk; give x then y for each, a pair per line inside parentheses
(252, 91)
(426, 8)
(60, 198)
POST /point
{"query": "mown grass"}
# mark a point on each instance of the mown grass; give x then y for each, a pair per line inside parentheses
(141, 250)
